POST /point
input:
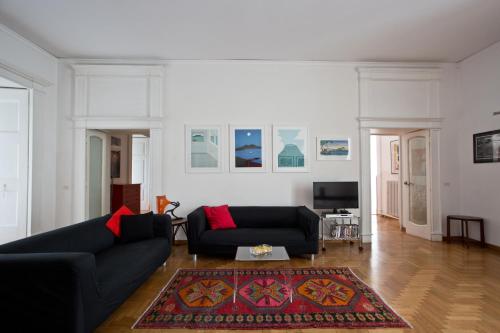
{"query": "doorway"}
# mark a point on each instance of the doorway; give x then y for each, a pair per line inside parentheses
(14, 161)
(117, 171)
(400, 168)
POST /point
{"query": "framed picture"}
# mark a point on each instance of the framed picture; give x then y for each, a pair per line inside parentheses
(394, 156)
(115, 164)
(203, 148)
(247, 149)
(117, 142)
(333, 149)
(487, 147)
(290, 149)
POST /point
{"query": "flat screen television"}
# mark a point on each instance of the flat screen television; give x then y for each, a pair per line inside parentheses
(335, 195)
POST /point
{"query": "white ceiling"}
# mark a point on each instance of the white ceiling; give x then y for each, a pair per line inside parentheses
(342, 30)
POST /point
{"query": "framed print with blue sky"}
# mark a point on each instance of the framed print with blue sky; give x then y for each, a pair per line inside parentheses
(333, 149)
(203, 148)
(247, 150)
(290, 149)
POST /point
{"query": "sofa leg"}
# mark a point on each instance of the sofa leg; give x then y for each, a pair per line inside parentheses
(195, 257)
(312, 257)
(164, 263)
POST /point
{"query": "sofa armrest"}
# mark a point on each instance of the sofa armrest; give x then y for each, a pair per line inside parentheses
(48, 291)
(196, 227)
(162, 226)
(309, 222)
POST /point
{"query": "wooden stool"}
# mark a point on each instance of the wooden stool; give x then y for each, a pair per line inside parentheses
(464, 221)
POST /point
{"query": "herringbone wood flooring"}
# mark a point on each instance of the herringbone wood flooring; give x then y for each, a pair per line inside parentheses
(435, 286)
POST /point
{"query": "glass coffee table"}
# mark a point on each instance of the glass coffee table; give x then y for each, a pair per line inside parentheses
(278, 254)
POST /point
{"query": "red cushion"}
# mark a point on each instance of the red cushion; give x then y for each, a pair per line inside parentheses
(113, 223)
(219, 217)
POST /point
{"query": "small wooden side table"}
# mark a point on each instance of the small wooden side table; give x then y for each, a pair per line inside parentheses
(176, 224)
(464, 222)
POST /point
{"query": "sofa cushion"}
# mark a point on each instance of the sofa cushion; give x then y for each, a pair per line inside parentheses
(219, 217)
(125, 266)
(254, 236)
(89, 236)
(264, 217)
(136, 227)
(114, 223)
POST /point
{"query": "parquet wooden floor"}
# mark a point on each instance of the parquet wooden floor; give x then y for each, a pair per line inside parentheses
(437, 287)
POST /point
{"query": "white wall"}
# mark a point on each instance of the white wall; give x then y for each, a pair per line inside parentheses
(321, 96)
(324, 96)
(25, 63)
(480, 183)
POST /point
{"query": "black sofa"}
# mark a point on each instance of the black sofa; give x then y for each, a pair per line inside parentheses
(70, 279)
(295, 228)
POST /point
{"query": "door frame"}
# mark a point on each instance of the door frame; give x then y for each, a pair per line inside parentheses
(81, 124)
(366, 124)
(147, 168)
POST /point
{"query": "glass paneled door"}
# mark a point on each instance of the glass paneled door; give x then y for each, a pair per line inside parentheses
(97, 177)
(416, 189)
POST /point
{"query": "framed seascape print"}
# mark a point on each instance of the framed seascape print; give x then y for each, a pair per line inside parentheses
(247, 149)
(333, 149)
(203, 148)
(394, 156)
(290, 149)
(487, 147)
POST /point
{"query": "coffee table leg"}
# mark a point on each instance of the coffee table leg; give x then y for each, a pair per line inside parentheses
(235, 276)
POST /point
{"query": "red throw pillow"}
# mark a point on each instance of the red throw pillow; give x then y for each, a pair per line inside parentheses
(113, 223)
(219, 217)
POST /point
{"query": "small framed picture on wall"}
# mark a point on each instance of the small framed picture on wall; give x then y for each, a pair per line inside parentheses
(394, 146)
(333, 149)
(487, 147)
(203, 148)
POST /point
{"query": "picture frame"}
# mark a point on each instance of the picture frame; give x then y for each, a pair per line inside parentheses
(115, 164)
(333, 148)
(290, 149)
(247, 149)
(116, 141)
(487, 147)
(395, 156)
(203, 148)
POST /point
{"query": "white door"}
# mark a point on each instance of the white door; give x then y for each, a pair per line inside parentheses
(416, 184)
(14, 163)
(96, 180)
(140, 167)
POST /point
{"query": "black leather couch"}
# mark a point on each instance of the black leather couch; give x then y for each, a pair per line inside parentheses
(295, 228)
(70, 279)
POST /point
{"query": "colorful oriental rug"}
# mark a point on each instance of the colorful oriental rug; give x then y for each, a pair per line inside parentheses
(268, 299)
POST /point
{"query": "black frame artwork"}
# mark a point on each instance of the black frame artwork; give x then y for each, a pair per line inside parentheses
(487, 147)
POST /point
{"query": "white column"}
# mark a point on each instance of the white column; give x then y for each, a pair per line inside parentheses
(365, 186)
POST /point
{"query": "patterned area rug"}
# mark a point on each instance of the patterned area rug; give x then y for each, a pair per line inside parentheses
(268, 299)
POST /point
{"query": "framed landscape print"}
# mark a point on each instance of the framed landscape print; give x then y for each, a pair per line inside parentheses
(203, 148)
(394, 156)
(487, 147)
(247, 149)
(290, 149)
(333, 149)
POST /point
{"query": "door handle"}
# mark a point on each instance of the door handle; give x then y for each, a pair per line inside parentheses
(407, 183)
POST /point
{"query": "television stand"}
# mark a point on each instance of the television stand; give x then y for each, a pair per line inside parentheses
(345, 227)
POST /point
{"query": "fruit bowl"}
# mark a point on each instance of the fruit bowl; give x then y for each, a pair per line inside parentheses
(261, 250)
